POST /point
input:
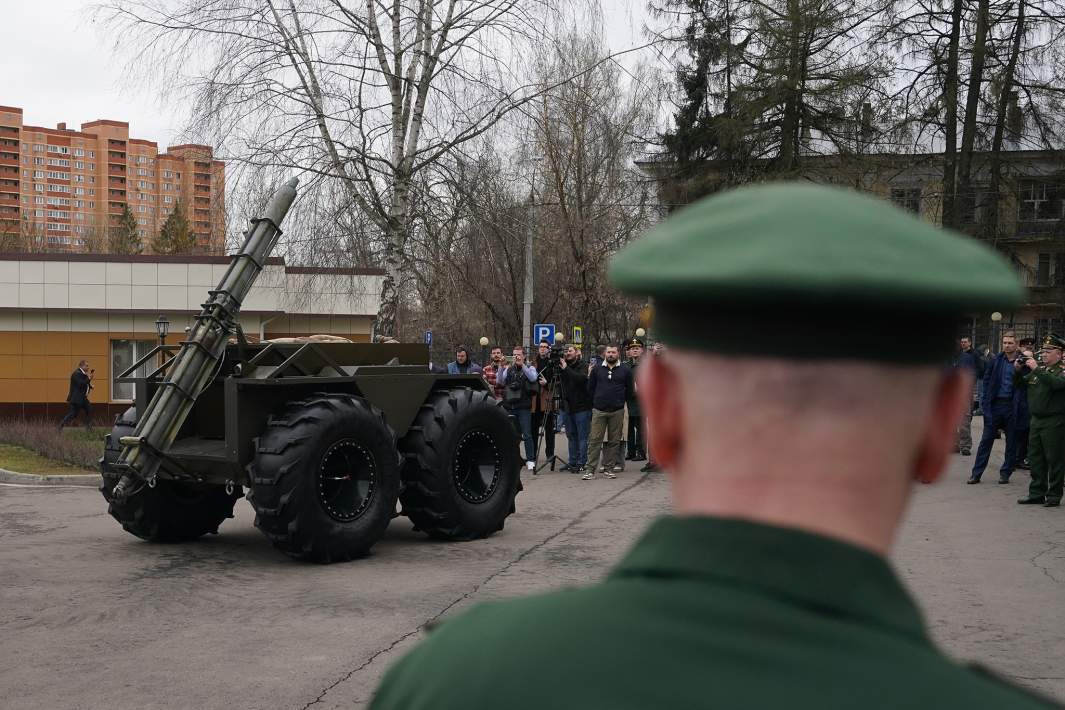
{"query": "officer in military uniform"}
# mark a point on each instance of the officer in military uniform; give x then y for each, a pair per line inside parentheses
(636, 436)
(1046, 440)
(769, 587)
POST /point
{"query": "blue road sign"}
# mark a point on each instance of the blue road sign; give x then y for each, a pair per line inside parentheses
(428, 337)
(543, 331)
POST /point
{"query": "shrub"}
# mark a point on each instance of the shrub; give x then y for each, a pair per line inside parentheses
(73, 446)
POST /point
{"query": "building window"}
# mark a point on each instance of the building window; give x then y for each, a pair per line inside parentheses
(123, 354)
(1040, 201)
(908, 198)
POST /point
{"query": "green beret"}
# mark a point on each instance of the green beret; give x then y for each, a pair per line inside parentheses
(822, 272)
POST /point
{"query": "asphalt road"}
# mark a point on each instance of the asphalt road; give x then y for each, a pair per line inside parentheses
(91, 617)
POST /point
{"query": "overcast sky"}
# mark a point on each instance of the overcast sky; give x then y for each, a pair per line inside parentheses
(57, 66)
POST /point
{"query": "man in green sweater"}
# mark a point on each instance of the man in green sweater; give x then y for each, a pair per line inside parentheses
(792, 453)
(1046, 439)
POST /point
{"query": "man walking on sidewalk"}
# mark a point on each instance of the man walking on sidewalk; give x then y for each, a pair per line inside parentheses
(78, 395)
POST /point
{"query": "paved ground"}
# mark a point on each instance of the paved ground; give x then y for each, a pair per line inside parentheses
(91, 617)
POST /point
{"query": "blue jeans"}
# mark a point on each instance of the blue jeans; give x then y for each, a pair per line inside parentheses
(578, 426)
(1001, 418)
(524, 419)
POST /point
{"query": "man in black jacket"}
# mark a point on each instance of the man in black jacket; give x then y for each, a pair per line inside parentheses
(610, 384)
(577, 403)
(78, 395)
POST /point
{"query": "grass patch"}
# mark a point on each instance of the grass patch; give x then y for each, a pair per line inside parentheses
(20, 460)
(72, 447)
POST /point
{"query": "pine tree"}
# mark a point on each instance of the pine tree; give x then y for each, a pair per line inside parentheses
(763, 84)
(125, 237)
(175, 236)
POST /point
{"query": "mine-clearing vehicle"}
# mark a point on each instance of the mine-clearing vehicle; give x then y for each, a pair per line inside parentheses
(327, 437)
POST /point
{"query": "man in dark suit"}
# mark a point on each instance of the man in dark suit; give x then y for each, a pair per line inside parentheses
(78, 396)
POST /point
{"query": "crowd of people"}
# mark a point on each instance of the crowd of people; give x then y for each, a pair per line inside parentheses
(1020, 394)
(593, 401)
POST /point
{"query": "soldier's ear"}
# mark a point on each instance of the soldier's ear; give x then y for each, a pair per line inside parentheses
(953, 394)
(658, 387)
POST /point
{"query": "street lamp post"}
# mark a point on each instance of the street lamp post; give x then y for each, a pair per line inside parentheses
(484, 350)
(527, 299)
(162, 327)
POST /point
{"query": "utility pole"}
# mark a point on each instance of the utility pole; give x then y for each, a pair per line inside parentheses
(527, 301)
(526, 316)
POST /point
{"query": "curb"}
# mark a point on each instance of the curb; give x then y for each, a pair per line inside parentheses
(30, 479)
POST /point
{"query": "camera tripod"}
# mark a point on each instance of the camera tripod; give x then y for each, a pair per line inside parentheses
(554, 383)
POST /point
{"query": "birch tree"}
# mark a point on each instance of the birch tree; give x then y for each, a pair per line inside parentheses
(364, 94)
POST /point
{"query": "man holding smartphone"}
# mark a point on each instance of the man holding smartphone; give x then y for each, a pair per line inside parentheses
(78, 395)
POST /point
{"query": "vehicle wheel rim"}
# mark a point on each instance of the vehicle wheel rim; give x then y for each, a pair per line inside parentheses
(347, 478)
(476, 466)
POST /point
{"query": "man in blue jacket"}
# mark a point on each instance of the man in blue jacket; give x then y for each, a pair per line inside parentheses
(999, 406)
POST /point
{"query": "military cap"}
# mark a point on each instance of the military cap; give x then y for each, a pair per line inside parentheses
(822, 272)
(635, 342)
(1054, 341)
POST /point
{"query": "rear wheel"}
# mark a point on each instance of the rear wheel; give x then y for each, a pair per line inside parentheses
(172, 511)
(462, 470)
(325, 478)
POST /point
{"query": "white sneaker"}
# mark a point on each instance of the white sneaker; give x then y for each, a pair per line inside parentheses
(531, 465)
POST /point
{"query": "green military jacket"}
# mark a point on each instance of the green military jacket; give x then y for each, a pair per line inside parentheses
(702, 613)
(1046, 390)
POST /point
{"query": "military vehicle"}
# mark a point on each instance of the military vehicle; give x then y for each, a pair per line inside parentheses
(326, 436)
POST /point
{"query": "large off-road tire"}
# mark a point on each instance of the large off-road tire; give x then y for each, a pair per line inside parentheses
(170, 512)
(325, 478)
(461, 468)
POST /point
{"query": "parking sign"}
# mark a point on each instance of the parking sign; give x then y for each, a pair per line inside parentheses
(543, 331)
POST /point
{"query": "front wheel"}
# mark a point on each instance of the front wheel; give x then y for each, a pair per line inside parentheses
(325, 478)
(172, 511)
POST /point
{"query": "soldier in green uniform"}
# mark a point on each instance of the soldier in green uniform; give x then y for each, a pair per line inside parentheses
(792, 451)
(1046, 439)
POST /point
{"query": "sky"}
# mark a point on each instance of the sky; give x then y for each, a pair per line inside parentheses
(58, 66)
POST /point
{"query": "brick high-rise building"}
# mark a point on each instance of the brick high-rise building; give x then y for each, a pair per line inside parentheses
(62, 189)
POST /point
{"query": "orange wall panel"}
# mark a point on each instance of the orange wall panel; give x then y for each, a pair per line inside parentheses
(33, 343)
(34, 366)
(57, 343)
(10, 342)
(10, 367)
(56, 390)
(90, 345)
(60, 366)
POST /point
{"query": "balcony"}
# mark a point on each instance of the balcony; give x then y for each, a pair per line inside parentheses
(9, 130)
(116, 169)
(9, 159)
(6, 199)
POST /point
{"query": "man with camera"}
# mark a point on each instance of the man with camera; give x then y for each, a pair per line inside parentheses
(577, 404)
(610, 385)
(519, 384)
(999, 405)
(543, 407)
(78, 395)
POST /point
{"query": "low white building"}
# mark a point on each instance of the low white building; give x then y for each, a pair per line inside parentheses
(56, 309)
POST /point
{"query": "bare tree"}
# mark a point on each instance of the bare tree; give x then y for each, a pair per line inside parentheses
(366, 94)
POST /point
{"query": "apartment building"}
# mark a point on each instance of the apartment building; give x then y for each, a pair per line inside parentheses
(62, 189)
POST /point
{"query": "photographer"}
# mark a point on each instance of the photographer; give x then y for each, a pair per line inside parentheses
(543, 406)
(78, 395)
(577, 408)
(519, 383)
